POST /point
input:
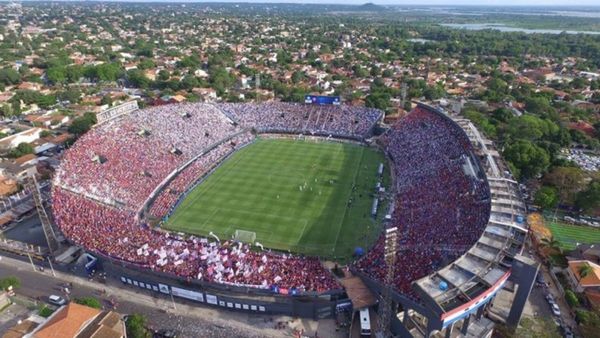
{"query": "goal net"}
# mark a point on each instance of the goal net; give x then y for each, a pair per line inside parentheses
(245, 236)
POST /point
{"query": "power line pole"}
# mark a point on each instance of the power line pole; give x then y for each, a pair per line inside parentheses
(385, 307)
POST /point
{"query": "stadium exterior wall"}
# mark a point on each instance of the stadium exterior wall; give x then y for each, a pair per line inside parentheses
(222, 296)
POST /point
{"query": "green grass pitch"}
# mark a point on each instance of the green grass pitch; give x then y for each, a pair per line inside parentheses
(293, 194)
(570, 235)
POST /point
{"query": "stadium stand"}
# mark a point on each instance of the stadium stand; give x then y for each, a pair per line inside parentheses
(443, 202)
(441, 209)
(109, 174)
(339, 121)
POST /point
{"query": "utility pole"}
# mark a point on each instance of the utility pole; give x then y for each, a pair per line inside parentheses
(385, 306)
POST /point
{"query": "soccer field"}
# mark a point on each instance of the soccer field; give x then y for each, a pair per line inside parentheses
(570, 235)
(293, 194)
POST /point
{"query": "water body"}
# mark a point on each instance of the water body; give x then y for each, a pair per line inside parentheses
(504, 28)
(419, 40)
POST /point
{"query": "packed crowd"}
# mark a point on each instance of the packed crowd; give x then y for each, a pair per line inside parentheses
(122, 161)
(440, 210)
(340, 121)
(173, 192)
(191, 258)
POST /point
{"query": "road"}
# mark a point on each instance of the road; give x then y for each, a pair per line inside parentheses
(191, 320)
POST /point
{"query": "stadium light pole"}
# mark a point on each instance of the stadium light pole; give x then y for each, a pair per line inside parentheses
(391, 244)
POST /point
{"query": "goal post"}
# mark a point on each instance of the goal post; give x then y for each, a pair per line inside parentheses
(245, 236)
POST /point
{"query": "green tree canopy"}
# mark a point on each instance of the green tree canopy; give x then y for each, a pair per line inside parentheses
(546, 197)
(89, 301)
(13, 281)
(567, 180)
(589, 199)
(136, 326)
(22, 149)
(529, 159)
(82, 124)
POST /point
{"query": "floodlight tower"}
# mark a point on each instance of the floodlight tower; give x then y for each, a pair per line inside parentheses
(32, 185)
(403, 93)
(385, 307)
(257, 86)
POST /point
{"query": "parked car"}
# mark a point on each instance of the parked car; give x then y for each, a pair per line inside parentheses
(540, 279)
(555, 309)
(567, 332)
(166, 334)
(550, 298)
(56, 300)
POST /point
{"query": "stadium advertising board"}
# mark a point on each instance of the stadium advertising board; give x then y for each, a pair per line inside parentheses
(188, 294)
(163, 288)
(319, 99)
(211, 299)
(473, 305)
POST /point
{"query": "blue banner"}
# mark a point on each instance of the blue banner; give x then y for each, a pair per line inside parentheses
(318, 99)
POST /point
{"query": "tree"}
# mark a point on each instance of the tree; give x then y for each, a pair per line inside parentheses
(22, 149)
(57, 75)
(529, 159)
(551, 243)
(585, 270)
(136, 326)
(571, 297)
(71, 95)
(568, 181)
(13, 281)
(9, 76)
(434, 92)
(189, 82)
(106, 99)
(82, 124)
(138, 79)
(589, 199)
(379, 100)
(89, 301)
(297, 77)
(546, 197)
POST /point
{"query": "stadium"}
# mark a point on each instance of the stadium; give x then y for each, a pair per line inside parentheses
(214, 200)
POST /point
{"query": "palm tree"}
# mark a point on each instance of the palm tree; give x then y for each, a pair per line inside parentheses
(551, 243)
(585, 270)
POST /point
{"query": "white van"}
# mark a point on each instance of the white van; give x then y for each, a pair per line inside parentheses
(57, 300)
(365, 323)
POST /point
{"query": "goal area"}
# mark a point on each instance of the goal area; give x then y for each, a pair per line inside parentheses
(245, 236)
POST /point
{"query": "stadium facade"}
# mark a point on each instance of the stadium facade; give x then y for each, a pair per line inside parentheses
(131, 170)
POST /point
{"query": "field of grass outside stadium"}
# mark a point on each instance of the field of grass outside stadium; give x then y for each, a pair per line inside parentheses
(310, 197)
(569, 235)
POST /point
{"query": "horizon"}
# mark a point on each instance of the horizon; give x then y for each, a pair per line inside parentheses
(409, 3)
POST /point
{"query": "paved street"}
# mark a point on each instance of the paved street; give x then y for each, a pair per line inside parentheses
(191, 320)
